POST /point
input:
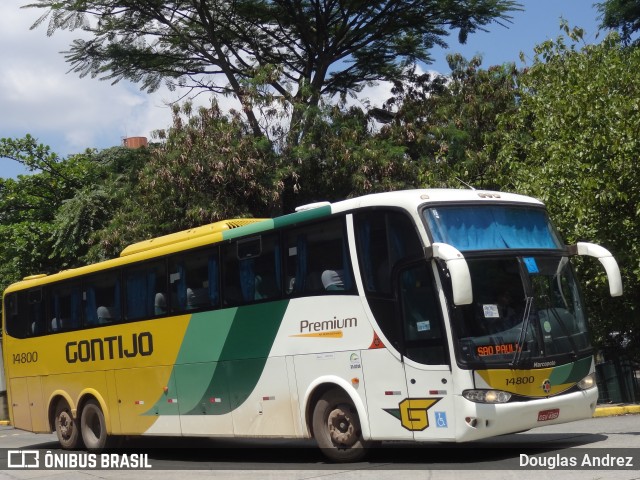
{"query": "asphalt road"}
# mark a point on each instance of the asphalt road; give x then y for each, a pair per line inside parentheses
(509, 456)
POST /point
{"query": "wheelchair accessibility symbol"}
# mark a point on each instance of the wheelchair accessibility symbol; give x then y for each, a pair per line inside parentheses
(441, 419)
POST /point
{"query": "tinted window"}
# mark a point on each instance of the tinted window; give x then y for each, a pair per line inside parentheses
(317, 260)
(101, 294)
(66, 306)
(252, 270)
(146, 287)
(193, 281)
(384, 239)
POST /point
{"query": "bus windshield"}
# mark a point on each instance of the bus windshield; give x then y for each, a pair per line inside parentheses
(526, 312)
(492, 227)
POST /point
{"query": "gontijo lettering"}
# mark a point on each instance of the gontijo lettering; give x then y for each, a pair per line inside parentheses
(109, 348)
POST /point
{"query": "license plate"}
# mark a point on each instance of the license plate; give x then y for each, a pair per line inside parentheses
(546, 415)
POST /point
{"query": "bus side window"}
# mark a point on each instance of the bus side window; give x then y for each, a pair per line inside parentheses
(101, 296)
(317, 260)
(36, 313)
(384, 238)
(15, 324)
(193, 282)
(65, 307)
(422, 322)
(252, 270)
(142, 285)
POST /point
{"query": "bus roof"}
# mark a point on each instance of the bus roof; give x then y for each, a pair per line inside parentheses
(234, 228)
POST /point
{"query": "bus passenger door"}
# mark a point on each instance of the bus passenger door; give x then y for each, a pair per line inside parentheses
(427, 411)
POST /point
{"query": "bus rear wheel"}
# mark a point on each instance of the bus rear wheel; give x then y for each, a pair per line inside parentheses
(93, 426)
(66, 426)
(336, 428)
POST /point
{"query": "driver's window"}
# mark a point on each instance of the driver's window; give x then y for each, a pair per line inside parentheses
(424, 339)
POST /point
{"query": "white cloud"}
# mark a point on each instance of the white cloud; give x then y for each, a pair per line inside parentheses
(68, 113)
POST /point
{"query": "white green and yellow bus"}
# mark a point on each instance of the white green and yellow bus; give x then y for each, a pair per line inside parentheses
(423, 315)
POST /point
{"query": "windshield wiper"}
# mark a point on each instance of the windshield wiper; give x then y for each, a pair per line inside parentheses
(517, 356)
(563, 326)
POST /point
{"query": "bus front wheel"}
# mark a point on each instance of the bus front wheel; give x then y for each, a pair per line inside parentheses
(336, 427)
(93, 426)
(66, 426)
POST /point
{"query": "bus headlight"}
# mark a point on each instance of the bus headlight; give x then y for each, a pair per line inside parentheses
(487, 396)
(587, 382)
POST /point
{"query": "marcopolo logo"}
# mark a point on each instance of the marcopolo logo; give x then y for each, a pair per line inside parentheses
(109, 348)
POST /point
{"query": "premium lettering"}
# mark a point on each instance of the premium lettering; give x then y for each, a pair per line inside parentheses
(307, 327)
(110, 348)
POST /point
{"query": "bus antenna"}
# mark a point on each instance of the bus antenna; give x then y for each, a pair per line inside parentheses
(465, 183)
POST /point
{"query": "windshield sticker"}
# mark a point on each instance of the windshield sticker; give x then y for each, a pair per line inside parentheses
(532, 266)
(423, 326)
(491, 311)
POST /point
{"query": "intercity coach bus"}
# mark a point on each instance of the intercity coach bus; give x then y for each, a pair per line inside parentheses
(423, 315)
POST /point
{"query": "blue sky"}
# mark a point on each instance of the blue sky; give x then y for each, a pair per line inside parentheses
(70, 114)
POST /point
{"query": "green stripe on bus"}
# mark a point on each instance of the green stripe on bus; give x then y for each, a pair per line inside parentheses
(570, 373)
(223, 355)
(302, 216)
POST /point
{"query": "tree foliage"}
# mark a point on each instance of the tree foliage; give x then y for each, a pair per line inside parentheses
(342, 156)
(573, 142)
(29, 205)
(621, 15)
(449, 124)
(208, 167)
(80, 221)
(291, 51)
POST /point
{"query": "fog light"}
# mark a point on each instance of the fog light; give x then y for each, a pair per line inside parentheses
(487, 396)
(587, 382)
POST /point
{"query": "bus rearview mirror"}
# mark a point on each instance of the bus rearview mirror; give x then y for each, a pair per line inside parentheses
(458, 269)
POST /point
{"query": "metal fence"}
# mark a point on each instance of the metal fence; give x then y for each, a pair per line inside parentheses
(618, 378)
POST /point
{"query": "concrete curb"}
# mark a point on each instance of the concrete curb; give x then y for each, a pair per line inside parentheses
(616, 410)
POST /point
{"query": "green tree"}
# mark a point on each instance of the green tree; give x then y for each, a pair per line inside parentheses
(80, 220)
(449, 125)
(342, 156)
(279, 57)
(573, 142)
(208, 167)
(621, 15)
(29, 204)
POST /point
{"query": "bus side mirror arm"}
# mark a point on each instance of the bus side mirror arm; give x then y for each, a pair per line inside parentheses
(458, 269)
(606, 259)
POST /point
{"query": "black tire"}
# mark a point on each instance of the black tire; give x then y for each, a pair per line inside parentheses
(336, 428)
(93, 426)
(67, 427)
